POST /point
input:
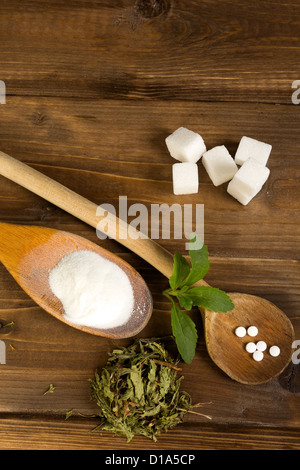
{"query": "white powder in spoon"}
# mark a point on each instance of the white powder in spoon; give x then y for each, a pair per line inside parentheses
(94, 291)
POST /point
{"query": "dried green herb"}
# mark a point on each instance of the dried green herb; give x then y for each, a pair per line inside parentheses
(50, 389)
(138, 391)
(68, 414)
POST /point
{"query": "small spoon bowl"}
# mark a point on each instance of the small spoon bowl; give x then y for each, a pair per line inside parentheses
(228, 351)
(29, 253)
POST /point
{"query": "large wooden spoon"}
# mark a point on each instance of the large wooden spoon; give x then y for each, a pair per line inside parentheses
(30, 253)
(224, 347)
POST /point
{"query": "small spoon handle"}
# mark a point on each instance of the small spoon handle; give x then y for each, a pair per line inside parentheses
(86, 211)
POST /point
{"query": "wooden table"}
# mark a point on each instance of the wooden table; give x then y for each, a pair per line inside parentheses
(93, 87)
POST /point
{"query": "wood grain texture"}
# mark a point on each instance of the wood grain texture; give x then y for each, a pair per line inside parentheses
(38, 434)
(93, 88)
(199, 51)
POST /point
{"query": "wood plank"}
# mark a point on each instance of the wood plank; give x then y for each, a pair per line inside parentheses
(120, 150)
(40, 433)
(206, 51)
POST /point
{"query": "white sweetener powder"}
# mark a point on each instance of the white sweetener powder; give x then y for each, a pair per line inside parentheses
(94, 291)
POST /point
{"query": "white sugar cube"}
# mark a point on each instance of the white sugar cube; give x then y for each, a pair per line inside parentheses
(185, 178)
(248, 181)
(219, 165)
(185, 145)
(251, 148)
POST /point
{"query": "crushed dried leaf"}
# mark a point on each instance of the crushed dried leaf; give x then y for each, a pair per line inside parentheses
(138, 391)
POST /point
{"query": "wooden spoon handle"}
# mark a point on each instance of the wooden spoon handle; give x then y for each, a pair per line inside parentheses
(86, 211)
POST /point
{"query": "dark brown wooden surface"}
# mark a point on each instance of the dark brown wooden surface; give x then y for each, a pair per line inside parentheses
(93, 88)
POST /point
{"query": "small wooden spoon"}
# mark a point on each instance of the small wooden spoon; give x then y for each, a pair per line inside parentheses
(228, 351)
(225, 349)
(30, 253)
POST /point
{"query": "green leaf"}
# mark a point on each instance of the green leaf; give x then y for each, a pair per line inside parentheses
(184, 276)
(136, 378)
(181, 269)
(165, 381)
(185, 300)
(199, 259)
(210, 297)
(184, 331)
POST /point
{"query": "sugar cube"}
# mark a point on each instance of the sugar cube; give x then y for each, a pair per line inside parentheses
(185, 178)
(252, 148)
(185, 145)
(248, 181)
(219, 165)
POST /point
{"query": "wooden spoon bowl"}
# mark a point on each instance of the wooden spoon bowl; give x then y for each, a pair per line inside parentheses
(30, 253)
(229, 351)
(225, 349)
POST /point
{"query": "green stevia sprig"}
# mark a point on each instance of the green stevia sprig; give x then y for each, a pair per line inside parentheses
(184, 295)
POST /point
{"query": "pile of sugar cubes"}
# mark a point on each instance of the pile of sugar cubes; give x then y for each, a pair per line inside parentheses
(245, 182)
(256, 349)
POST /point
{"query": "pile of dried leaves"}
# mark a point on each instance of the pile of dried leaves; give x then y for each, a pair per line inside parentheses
(138, 391)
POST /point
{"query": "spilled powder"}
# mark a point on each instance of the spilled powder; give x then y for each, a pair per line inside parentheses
(94, 291)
